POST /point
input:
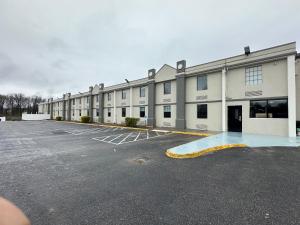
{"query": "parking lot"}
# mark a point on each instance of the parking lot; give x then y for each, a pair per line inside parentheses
(65, 173)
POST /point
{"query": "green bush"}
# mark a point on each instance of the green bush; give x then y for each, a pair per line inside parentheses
(58, 118)
(131, 121)
(85, 119)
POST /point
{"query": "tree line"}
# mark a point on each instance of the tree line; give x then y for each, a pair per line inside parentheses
(13, 105)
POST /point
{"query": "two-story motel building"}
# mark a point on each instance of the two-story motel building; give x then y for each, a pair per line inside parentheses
(256, 92)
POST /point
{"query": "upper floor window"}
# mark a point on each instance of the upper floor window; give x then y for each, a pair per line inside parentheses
(202, 82)
(253, 75)
(142, 91)
(167, 87)
(87, 99)
(73, 101)
(97, 98)
(167, 111)
(123, 94)
(79, 100)
(108, 96)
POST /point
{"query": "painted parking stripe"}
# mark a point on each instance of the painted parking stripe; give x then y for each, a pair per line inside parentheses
(111, 141)
(125, 138)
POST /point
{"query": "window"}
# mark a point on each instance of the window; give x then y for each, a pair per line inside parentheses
(123, 94)
(167, 111)
(73, 112)
(97, 98)
(271, 108)
(258, 109)
(202, 111)
(88, 112)
(167, 87)
(97, 112)
(202, 82)
(58, 104)
(253, 75)
(80, 101)
(87, 99)
(123, 112)
(109, 112)
(278, 108)
(79, 112)
(108, 96)
(142, 91)
(142, 112)
(73, 101)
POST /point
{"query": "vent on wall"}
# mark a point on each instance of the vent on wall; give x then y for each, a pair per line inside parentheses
(202, 97)
(167, 100)
(253, 93)
(201, 126)
(166, 124)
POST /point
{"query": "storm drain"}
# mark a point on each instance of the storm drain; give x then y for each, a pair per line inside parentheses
(141, 160)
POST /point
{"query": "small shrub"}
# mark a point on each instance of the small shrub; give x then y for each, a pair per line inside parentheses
(58, 118)
(85, 119)
(131, 121)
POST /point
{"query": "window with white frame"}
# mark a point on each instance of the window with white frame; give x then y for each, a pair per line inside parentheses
(202, 82)
(253, 75)
(167, 87)
(167, 111)
(142, 112)
(142, 91)
(108, 96)
(123, 94)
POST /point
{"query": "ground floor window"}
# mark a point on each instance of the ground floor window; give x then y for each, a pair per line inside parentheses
(79, 112)
(109, 112)
(88, 112)
(167, 111)
(142, 112)
(202, 111)
(73, 113)
(123, 112)
(97, 112)
(269, 108)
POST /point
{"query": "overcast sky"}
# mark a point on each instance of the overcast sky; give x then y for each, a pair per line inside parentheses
(50, 47)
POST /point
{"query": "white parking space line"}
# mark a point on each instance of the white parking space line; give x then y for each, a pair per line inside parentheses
(137, 136)
(125, 138)
(116, 138)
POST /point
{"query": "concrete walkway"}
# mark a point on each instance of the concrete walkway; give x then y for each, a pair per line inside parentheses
(228, 140)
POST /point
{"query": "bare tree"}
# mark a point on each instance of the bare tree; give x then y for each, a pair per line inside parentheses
(2, 102)
(19, 100)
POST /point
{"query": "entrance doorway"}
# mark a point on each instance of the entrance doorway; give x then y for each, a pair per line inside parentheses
(235, 118)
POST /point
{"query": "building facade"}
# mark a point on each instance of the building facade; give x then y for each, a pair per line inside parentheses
(257, 92)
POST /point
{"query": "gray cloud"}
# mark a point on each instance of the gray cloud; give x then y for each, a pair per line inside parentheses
(51, 50)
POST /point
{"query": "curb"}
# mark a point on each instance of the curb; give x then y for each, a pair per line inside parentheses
(191, 133)
(203, 152)
(102, 125)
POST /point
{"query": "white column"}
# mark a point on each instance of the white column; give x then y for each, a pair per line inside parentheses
(224, 99)
(115, 107)
(130, 103)
(291, 95)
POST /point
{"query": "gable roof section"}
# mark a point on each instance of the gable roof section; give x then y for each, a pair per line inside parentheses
(166, 72)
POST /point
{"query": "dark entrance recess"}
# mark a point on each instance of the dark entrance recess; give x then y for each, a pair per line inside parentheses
(235, 118)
